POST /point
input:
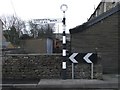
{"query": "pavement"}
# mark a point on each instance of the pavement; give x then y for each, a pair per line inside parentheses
(109, 82)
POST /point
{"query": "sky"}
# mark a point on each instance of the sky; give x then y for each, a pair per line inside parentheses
(78, 10)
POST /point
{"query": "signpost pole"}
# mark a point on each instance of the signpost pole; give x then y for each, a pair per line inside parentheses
(72, 70)
(91, 70)
(64, 54)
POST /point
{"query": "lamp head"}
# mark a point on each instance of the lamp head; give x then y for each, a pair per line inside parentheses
(64, 7)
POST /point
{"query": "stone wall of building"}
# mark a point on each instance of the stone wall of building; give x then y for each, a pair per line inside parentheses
(44, 67)
(101, 37)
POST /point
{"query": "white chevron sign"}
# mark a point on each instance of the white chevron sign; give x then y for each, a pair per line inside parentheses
(86, 57)
(72, 57)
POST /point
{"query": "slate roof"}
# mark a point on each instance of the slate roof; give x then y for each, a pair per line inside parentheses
(95, 20)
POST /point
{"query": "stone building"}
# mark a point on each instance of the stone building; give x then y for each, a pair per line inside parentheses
(103, 7)
(100, 34)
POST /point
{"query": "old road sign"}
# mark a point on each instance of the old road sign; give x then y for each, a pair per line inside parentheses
(83, 57)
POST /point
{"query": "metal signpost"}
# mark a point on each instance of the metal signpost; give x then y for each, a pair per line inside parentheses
(64, 8)
(85, 57)
(73, 61)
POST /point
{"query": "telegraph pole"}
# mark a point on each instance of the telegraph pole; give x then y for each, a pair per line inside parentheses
(64, 54)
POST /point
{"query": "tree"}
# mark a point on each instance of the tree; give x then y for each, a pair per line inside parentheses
(12, 28)
(33, 29)
(12, 36)
(41, 30)
(25, 36)
(11, 20)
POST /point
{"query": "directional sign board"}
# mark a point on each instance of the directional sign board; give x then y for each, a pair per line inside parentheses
(83, 57)
(86, 57)
(72, 58)
(47, 21)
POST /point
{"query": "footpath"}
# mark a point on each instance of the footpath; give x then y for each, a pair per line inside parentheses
(109, 82)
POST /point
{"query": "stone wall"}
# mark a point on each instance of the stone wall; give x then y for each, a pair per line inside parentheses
(44, 67)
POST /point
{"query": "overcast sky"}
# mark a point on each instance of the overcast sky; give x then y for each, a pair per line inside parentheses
(77, 13)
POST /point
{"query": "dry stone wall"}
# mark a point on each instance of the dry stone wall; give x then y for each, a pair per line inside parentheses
(44, 67)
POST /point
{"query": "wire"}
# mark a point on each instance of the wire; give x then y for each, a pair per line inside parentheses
(13, 8)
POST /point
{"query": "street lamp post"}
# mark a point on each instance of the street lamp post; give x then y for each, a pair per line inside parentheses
(64, 8)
